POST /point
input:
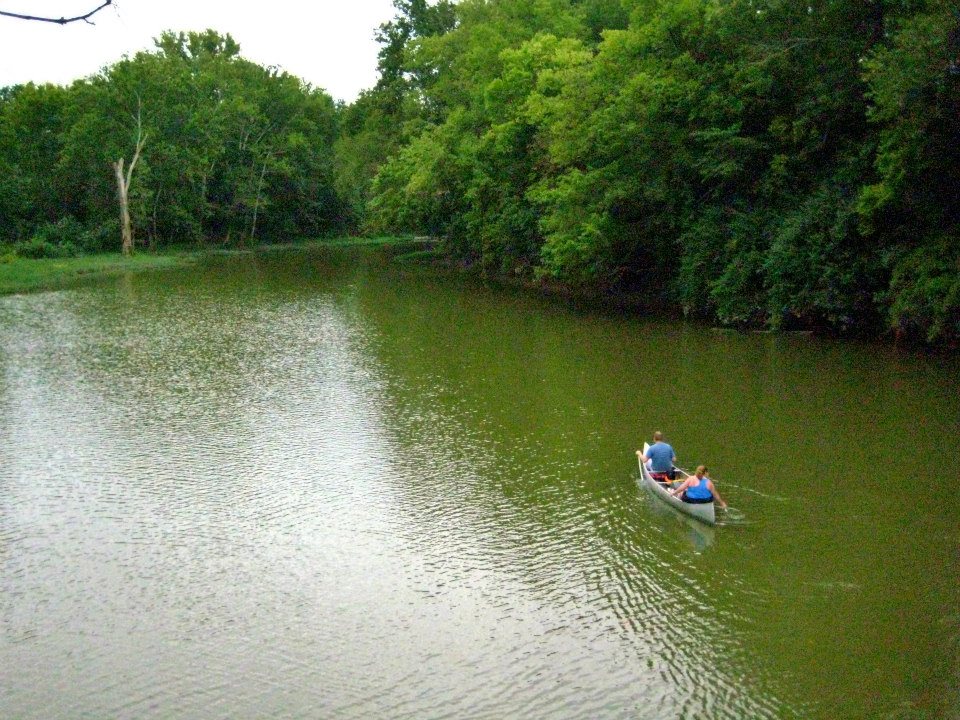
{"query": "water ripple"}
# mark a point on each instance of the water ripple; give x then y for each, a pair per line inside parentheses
(242, 501)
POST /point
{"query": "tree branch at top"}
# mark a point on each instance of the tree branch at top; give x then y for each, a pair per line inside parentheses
(60, 20)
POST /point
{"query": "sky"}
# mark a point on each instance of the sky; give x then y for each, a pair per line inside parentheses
(327, 43)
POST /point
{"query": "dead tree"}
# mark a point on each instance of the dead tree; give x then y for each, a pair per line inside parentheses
(123, 187)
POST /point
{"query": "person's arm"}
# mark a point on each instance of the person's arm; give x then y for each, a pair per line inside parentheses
(683, 486)
(642, 456)
(716, 495)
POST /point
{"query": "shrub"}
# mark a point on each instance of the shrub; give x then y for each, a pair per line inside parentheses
(39, 247)
(64, 230)
(53, 240)
(925, 292)
(105, 236)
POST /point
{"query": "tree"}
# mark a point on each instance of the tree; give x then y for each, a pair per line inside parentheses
(752, 163)
(123, 185)
(913, 205)
(32, 119)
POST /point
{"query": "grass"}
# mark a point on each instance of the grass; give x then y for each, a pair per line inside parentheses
(391, 241)
(419, 256)
(18, 275)
(357, 241)
(342, 242)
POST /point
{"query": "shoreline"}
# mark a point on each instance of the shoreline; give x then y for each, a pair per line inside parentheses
(28, 275)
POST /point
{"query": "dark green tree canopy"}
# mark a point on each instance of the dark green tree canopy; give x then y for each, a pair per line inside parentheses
(748, 162)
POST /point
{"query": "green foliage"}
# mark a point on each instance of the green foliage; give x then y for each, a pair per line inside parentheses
(916, 105)
(39, 247)
(925, 291)
(721, 272)
(390, 114)
(61, 239)
(574, 244)
(233, 151)
(772, 163)
(31, 122)
(818, 271)
(419, 188)
(99, 238)
(913, 204)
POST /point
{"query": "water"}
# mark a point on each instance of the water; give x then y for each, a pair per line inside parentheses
(319, 485)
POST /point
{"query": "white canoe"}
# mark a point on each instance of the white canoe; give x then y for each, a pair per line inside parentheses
(701, 511)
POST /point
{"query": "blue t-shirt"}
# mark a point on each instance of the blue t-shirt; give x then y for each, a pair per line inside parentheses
(661, 457)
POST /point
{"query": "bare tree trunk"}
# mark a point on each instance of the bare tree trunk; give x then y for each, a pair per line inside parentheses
(126, 231)
(123, 188)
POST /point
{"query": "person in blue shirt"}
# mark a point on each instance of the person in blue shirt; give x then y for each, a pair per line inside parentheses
(661, 458)
(698, 488)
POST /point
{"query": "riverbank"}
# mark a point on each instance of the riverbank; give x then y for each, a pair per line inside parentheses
(660, 305)
(22, 275)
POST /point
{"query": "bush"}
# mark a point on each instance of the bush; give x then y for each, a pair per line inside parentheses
(54, 240)
(103, 237)
(38, 247)
(925, 292)
(64, 230)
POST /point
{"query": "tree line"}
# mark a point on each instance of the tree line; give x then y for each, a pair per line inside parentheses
(756, 162)
(203, 145)
(752, 162)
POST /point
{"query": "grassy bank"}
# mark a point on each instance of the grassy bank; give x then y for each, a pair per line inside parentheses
(372, 241)
(349, 241)
(401, 245)
(19, 275)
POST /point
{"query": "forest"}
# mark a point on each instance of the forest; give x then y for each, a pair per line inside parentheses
(754, 163)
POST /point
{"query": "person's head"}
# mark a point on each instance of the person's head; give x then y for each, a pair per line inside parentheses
(701, 471)
(657, 436)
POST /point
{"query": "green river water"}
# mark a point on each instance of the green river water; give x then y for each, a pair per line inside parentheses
(314, 484)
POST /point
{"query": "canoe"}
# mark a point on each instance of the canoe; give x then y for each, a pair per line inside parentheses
(704, 512)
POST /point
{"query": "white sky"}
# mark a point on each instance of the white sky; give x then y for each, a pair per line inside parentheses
(325, 42)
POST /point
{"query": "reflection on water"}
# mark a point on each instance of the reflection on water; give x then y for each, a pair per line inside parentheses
(697, 534)
(302, 485)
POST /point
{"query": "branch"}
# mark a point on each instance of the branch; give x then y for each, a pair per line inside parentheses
(141, 140)
(61, 20)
